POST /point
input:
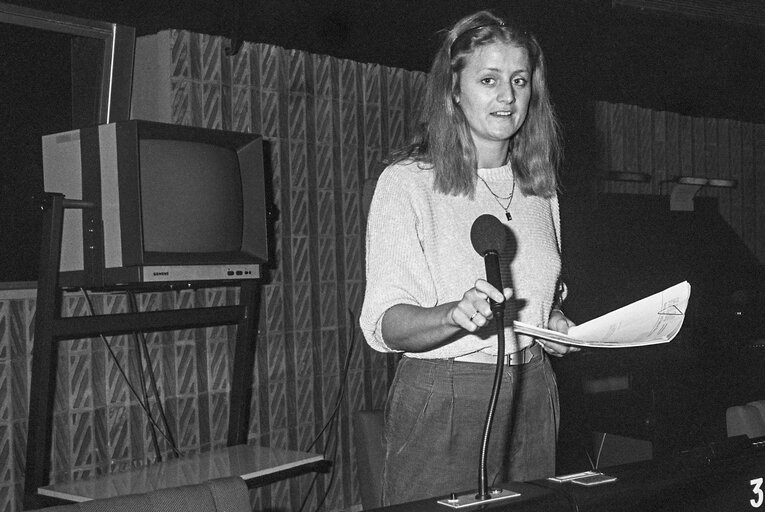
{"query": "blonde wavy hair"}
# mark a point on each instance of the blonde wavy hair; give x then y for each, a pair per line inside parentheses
(442, 137)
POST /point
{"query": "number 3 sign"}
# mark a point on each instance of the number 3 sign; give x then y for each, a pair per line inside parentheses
(757, 490)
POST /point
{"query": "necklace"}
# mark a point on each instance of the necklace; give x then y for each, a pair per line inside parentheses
(499, 199)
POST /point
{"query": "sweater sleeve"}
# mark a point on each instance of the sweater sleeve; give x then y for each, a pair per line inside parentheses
(562, 291)
(397, 270)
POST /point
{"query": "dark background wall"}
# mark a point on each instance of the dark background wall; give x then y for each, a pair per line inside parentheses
(631, 246)
(709, 65)
(29, 108)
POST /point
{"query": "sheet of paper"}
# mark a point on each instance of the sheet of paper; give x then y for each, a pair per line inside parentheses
(649, 321)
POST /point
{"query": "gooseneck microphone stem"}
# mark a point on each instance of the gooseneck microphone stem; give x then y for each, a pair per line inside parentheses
(483, 481)
(489, 238)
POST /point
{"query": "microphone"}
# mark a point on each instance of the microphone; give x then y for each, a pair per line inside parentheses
(488, 236)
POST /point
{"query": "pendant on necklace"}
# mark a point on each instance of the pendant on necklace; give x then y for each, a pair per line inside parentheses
(509, 217)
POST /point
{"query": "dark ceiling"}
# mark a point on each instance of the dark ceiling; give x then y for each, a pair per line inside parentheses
(596, 49)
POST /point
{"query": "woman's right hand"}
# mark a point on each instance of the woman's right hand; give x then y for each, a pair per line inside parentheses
(411, 328)
(474, 310)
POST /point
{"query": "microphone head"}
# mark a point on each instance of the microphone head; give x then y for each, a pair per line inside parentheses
(488, 233)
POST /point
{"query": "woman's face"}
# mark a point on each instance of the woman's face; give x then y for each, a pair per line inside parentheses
(495, 89)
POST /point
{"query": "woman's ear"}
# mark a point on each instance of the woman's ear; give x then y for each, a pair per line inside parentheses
(456, 87)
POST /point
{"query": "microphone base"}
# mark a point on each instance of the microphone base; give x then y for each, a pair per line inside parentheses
(471, 499)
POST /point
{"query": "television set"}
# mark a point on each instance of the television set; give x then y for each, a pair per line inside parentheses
(172, 203)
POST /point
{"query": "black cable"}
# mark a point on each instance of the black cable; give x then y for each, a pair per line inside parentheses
(336, 425)
(119, 366)
(332, 472)
(332, 421)
(600, 451)
(142, 380)
(308, 492)
(346, 365)
(170, 438)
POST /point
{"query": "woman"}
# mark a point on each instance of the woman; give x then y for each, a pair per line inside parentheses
(487, 143)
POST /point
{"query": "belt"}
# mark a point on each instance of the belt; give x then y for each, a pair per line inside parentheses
(524, 356)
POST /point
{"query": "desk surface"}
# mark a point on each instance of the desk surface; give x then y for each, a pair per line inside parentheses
(693, 482)
(250, 462)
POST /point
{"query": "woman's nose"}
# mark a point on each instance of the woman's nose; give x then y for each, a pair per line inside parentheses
(506, 94)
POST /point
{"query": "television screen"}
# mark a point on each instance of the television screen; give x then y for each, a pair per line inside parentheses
(174, 203)
(195, 189)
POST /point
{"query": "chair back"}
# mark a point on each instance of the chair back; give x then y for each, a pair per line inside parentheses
(370, 455)
(748, 419)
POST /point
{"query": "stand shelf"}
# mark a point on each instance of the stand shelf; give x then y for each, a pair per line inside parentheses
(256, 465)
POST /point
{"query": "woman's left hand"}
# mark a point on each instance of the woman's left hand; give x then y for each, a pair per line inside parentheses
(558, 322)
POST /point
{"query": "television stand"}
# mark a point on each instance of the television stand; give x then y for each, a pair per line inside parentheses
(256, 465)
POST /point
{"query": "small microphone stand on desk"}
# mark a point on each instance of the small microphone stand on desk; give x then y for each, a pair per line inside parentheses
(485, 493)
(483, 481)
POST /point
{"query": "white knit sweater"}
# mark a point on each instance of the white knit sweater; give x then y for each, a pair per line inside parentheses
(419, 252)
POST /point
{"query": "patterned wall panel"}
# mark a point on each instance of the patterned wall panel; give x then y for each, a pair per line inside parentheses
(666, 145)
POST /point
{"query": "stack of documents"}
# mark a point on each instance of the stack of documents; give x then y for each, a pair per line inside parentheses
(649, 321)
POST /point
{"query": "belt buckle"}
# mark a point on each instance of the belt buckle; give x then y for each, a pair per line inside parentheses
(521, 357)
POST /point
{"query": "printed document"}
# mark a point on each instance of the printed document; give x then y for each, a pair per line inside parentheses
(649, 321)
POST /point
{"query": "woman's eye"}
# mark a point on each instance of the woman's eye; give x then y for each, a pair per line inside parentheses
(520, 81)
(488, 81)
